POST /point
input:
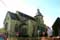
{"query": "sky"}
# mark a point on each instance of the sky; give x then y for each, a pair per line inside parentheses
(50, 9)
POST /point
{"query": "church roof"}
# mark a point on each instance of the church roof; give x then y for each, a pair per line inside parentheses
(39, 13)
(56, 23)
(13, 15)
(56, 27)
(25, 15)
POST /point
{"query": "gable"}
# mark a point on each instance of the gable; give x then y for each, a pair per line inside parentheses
(13, 15)
(56, 23)
(7, 18)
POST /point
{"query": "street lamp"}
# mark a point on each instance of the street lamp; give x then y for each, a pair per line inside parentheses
(38, 33)
(17, 34)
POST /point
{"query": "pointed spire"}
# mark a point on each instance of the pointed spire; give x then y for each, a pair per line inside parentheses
(38, 13)
(38, 10)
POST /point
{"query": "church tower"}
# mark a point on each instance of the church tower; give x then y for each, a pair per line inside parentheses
(41, 27)
(39, 17)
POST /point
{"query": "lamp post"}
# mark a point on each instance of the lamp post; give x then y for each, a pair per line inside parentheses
(38, 33)
(17, 34)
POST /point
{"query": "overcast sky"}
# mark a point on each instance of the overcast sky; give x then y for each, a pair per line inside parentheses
(50, 9)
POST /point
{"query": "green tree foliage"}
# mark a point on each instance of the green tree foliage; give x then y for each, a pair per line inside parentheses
(2, 30)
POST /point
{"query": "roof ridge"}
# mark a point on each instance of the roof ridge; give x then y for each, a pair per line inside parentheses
(25, 14)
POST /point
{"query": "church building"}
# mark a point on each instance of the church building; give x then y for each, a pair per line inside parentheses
(23, 24)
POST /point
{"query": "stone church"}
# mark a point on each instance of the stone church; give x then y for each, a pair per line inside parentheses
(23, 24)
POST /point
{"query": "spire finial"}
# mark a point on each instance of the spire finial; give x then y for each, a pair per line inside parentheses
(38, 10)
(39, 13)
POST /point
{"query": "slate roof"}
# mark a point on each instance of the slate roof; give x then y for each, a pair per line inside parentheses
(25, 15)
(56, 23)
(13, 15)
(56, 27)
